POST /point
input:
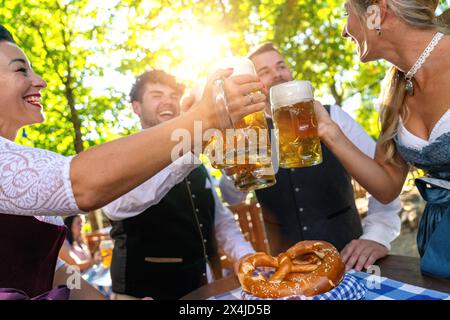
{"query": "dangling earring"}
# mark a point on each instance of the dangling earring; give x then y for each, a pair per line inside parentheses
(378, 30)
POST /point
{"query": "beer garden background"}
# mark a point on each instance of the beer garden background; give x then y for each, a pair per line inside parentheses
(89, 52)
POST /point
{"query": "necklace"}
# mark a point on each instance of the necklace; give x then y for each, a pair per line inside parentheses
(409, 87)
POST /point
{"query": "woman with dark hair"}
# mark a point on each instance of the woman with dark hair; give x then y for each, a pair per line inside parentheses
(38, 186)
(74, 250)
(415, 114)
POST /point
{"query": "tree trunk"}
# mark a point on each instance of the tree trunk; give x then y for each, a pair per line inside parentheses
(74, 116)
(78, 141)
(93, 221)
(337, 97)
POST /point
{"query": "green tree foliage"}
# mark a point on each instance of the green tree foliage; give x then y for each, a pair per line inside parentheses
(308, 32)
(62, 40)
(73, 44)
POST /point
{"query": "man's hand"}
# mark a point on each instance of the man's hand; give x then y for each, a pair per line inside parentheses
(359, 254)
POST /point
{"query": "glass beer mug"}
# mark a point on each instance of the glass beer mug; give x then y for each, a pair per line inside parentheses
(246, 149)
(294, 119)
(106, 251)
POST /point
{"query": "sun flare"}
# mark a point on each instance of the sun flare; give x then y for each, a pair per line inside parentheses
(199, 50)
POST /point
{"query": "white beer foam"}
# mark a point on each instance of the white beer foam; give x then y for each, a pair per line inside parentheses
(289, 93)
(241, 66)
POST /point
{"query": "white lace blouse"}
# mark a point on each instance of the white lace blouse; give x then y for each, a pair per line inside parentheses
(35, 182)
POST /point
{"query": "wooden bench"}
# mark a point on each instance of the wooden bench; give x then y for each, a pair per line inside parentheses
(249, 218)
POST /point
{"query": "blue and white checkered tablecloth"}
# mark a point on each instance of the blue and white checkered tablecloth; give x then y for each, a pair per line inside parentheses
(378, 288)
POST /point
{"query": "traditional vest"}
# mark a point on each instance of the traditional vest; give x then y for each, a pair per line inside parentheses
(28, 253)
(162, 253)
(314, 203)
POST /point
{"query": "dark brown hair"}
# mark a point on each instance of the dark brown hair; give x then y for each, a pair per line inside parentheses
(69, 222)
(5, 35)
(154, 76)
(265, 47)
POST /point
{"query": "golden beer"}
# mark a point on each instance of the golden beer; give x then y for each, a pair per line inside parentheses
(214, 152)
(247, 144)
(253, 177)
(106, 252)
(296, 124)
(243, 146)
(246, 150)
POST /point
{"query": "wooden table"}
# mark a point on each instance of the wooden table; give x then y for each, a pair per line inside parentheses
(400, 268)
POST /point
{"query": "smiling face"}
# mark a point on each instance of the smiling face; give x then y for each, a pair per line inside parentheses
(19, 91)
(365, 39)
(159, 103)
(271, 68)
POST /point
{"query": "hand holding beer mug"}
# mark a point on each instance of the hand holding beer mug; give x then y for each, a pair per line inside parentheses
(235, 89)
(106, 251)
(294, 118)
(246, 149)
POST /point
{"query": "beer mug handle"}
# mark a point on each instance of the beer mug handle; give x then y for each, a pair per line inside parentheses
(221, 105)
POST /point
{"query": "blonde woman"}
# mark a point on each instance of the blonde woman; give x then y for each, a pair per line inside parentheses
(415, 115)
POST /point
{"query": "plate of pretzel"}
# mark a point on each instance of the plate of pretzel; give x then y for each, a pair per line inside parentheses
(309, 270)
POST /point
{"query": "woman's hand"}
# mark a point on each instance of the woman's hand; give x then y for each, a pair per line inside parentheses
(187, 103)
(329, 132)
(242, 94)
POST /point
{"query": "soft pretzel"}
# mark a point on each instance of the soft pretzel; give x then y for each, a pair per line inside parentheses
(308, 268)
